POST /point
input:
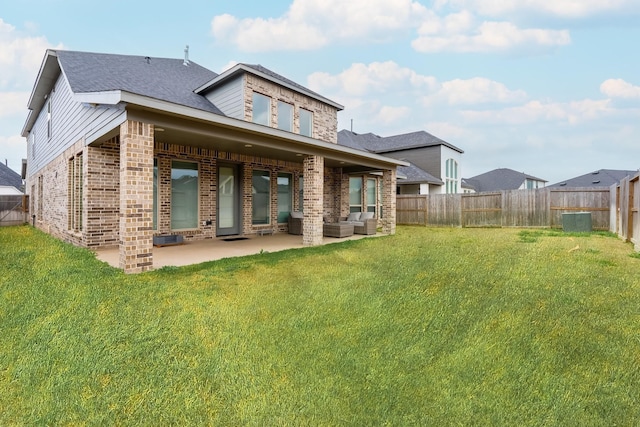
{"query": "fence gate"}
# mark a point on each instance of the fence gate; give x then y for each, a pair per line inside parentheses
(13, 210)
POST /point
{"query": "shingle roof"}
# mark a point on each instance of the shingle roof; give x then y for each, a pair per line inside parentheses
(386, 144)
(499, 179)
(159, 78)
(10, 177)
(414, 175)
(599, 178)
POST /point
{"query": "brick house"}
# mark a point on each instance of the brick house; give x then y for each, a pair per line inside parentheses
(124, 148)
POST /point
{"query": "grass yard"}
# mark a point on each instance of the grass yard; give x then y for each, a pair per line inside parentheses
(427, 327)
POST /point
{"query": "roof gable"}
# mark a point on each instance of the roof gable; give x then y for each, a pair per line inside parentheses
(265, 73)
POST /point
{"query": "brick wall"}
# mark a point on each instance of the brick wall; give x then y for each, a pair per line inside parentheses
(136, 196)
(325, 117)
(49, 196)
(102, 194)
(313, 200)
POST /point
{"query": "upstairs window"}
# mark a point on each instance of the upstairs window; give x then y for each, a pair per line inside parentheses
(49, 118)
(306, 122)
(261, 107)
(285, 116)
(451, 176)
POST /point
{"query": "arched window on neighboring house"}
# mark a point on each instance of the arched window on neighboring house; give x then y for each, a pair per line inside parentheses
(451, 176)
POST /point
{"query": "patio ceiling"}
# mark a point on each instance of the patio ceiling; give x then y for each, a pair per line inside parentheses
(186, 126)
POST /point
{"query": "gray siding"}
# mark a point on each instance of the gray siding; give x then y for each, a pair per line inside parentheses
(229, 98)
(426, 158)
(70, 122)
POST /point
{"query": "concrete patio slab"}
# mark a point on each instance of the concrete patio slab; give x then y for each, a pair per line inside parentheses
(213, 249)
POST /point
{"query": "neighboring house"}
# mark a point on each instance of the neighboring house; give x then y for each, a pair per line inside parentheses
(10, 181)
(434, 164)
(124, 148)
(599, 178)
(503, 179)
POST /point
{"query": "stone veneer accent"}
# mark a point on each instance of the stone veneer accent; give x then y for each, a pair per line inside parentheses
(325, 117)
(136, 196)
(313, 200)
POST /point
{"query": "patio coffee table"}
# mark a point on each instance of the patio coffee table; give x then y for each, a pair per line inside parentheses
(337, 230)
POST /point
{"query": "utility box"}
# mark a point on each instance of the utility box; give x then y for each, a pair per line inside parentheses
(576, 222)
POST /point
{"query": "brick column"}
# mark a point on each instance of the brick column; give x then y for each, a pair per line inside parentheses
(136, 196)
(313, 200)
(389, 201)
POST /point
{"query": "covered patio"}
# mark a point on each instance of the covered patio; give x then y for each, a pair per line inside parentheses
(199, 251)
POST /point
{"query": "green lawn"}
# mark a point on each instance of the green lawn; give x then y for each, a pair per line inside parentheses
(427, 327)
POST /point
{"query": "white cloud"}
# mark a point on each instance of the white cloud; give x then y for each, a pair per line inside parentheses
(311, 24)
(20, 56)
(377, 77)
(388, 115)
(474, 91)
(537, 111)
(560, 8)
(618, 88)
(487, 37)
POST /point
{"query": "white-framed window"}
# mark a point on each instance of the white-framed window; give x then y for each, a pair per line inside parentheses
(355, 194)
(306, 122)
(75, 192)
(532, 184)
(301, 193)
(451, 176)
(261, 109)
(285, 116)
(155, 193)
(372, 196)
(285, 196)
(184, 195)
(49, 118)
(261, 197)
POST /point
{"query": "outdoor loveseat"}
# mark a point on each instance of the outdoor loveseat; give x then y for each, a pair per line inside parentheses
(363, 222)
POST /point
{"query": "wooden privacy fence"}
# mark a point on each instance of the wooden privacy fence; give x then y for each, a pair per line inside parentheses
(13, 210)
(514, 208)
(625, 207)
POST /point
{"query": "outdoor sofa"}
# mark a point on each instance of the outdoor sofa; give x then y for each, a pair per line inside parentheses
(363, 222)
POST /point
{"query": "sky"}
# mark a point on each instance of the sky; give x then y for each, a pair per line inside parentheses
(548, 88)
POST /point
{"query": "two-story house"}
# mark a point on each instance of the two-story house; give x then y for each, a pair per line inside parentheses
(124, 148)
(434, 164)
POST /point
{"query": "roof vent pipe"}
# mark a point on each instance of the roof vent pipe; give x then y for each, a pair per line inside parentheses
(186, 55)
